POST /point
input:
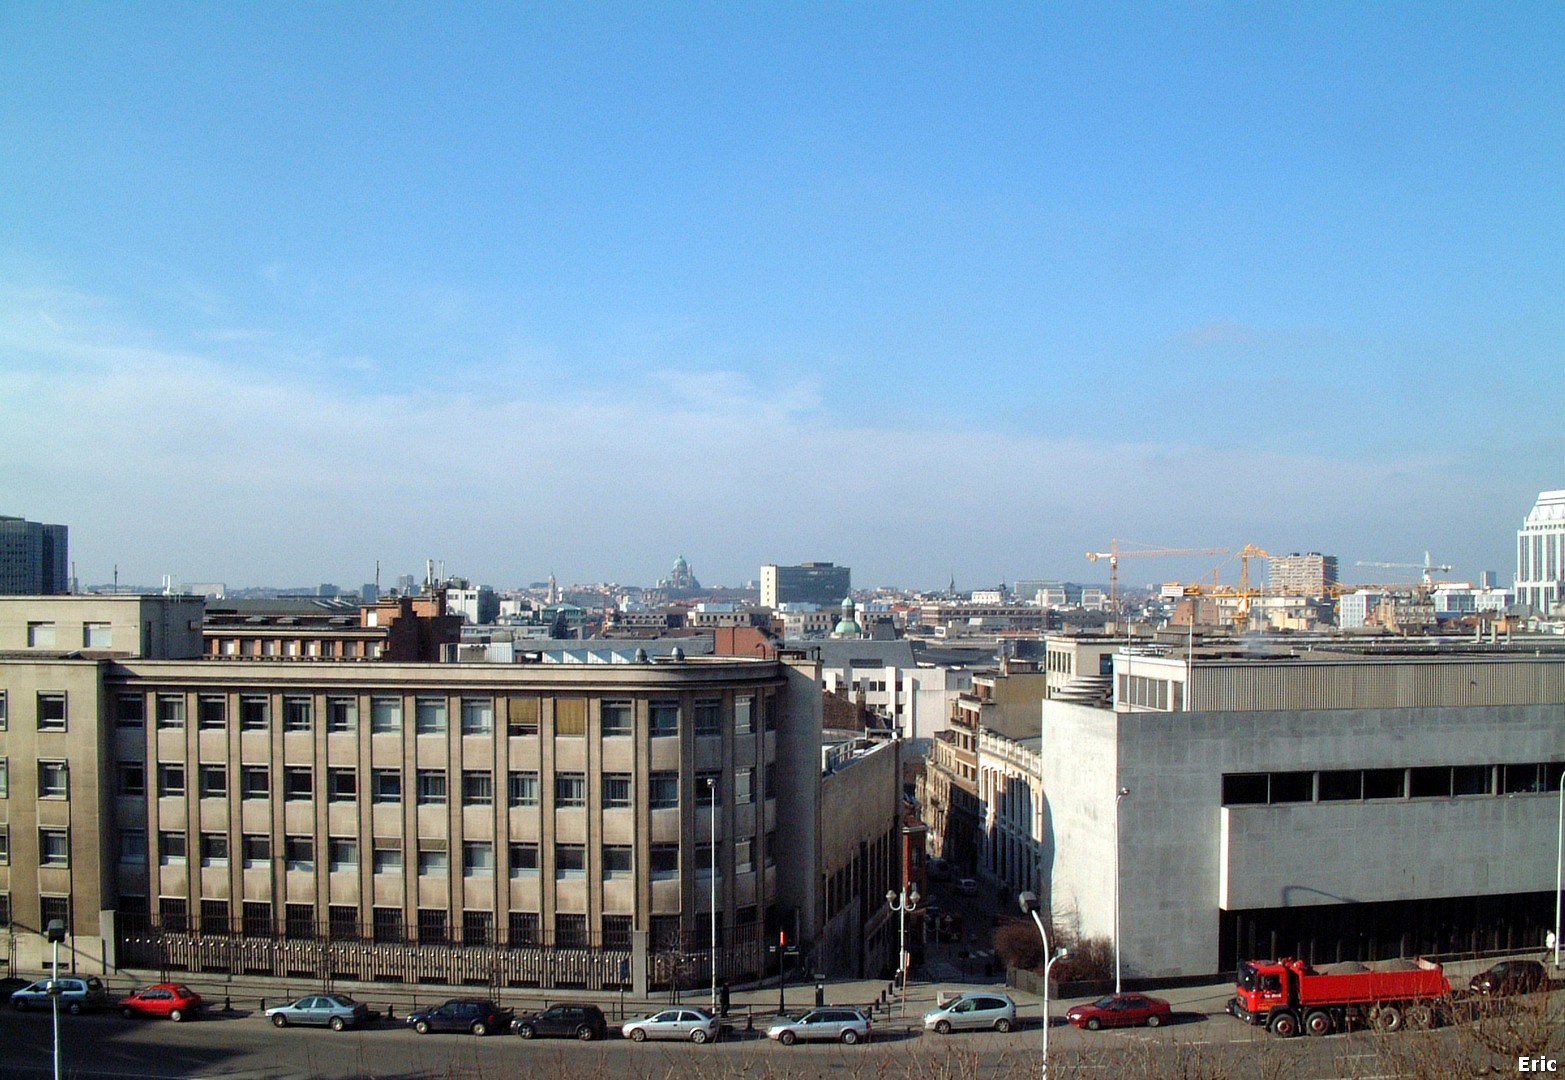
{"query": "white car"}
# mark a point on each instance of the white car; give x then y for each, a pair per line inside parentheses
(828, 1023)
(982, 1009)
(967, 886)
(694, 1025)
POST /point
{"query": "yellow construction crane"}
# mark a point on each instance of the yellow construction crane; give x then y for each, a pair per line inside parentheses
(1114, 555)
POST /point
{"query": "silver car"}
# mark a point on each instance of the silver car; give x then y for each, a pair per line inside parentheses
(76, 994)
(980, 1010)
(336, 1011)
(695, 1025)
(830, 1023)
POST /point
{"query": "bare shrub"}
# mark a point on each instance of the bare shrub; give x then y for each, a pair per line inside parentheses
(1018, 945)
(1090, 960)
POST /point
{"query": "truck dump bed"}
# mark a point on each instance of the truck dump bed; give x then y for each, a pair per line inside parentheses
(1378, 980)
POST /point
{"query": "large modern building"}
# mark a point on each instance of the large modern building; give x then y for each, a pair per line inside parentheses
(34, 558)
(1540, 554)
(808, 583)
(1310, 574)
(1329, 800)
(539, 824)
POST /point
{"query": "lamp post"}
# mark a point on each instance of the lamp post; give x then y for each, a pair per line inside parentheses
(55, 933)
(711, 787)
(1029, 902)
(902, 903)
(1559, 866)
(1118, 798)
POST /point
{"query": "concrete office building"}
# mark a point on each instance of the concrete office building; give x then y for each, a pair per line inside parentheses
(1540, 554)
(34, 558)
(808, 583)
(1310, 574)
(541, 824)
(1332, 802)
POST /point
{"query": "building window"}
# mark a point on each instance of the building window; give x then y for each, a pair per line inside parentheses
(342, 922)
(570, 860)
(171, 779)
(5, 778)
(40, 635)
(478, 927)
(769, 852)
(744, 786)
(477, 787)
(5, 845)
(388, 857)
(171, 848)
(387, 925)
(255, 918)
(570, 790)
(617, 931)
(173, 913)
(432, 925)
(214, 849)
(299, 921)
(170, 710)
(523, 788)
(257, 851)
(704, 859)
(51, 711)
(342, 854)
(387, 786)
(664, 861)
(254, 782)
(433, 860)
(133, 847)
(570, 930)
(431, 787)
(132, 778)
(522, 716)
(385, 715)
(54, 780)
(296, 714)
(429, 716)
(342, 785)
(298, 783)
(299, 853)
(617, 860)
(523, 928)
(253, 713)
(211, 711)
(212, 781)
(130, 711)
(342, 715)
(477, 716)
(524, 860)
(663, 790)
(617, 718)
(5, 714)
(744, 857)
(616, 791)
(770, 710)
(709, 719)
(663, 719)
(478, 859)
(744, 722)
(703, 793)
(771, 780)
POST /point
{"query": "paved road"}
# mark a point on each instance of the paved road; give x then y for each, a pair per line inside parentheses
(108, 1047)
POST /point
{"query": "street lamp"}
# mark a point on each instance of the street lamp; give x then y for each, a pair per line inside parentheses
(1559, 865)
(55, 933)
(711, 787)
(902, 903)
(1029, 902)
(1118, 798)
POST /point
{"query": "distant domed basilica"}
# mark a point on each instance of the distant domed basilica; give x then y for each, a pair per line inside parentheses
(680, 579)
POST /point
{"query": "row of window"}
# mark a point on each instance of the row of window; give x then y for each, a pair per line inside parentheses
(54, 779)
(523, 788)
(49, 710)
(1422, 782)
(95, 635)
(433, 857)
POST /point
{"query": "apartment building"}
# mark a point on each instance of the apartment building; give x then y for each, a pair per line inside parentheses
(1308, 574)
(1540, 554)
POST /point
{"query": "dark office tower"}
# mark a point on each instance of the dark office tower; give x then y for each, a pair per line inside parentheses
(808, 583)
(34, 558)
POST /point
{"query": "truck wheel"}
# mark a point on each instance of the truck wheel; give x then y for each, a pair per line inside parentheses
(1318, 1022)
(1284, 1024)
(1388, 1018)
(1419, 1017)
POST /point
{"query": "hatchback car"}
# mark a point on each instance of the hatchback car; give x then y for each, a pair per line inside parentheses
(176, 1001)
(584, 1022)
(829, 1023)
(460, 1014)
(1120, 1010)
(336, 1011)
(76, 995)
(977, 1011)
(694, 1025)
(1510, 977)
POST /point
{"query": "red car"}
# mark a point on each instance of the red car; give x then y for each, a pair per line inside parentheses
(1120, 1010)
(173, 1000)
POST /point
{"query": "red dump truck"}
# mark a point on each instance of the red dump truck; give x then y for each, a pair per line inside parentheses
(1289, 996)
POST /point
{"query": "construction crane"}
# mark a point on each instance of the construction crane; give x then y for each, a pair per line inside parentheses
(1428, 567)
(1114, 555)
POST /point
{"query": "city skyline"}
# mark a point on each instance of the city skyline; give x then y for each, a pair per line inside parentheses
(286, 292)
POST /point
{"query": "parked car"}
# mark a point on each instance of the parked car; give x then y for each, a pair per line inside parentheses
(980, 1010)
(176, 1001)
(1120, 1010)
(571, 1021)
(336, 1011)
(830, 1023)
(695, 1025)
(967, 886)
(1510, 977)
(76, 994)
(460, 1014)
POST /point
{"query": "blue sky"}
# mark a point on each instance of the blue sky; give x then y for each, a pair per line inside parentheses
(928, 290)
